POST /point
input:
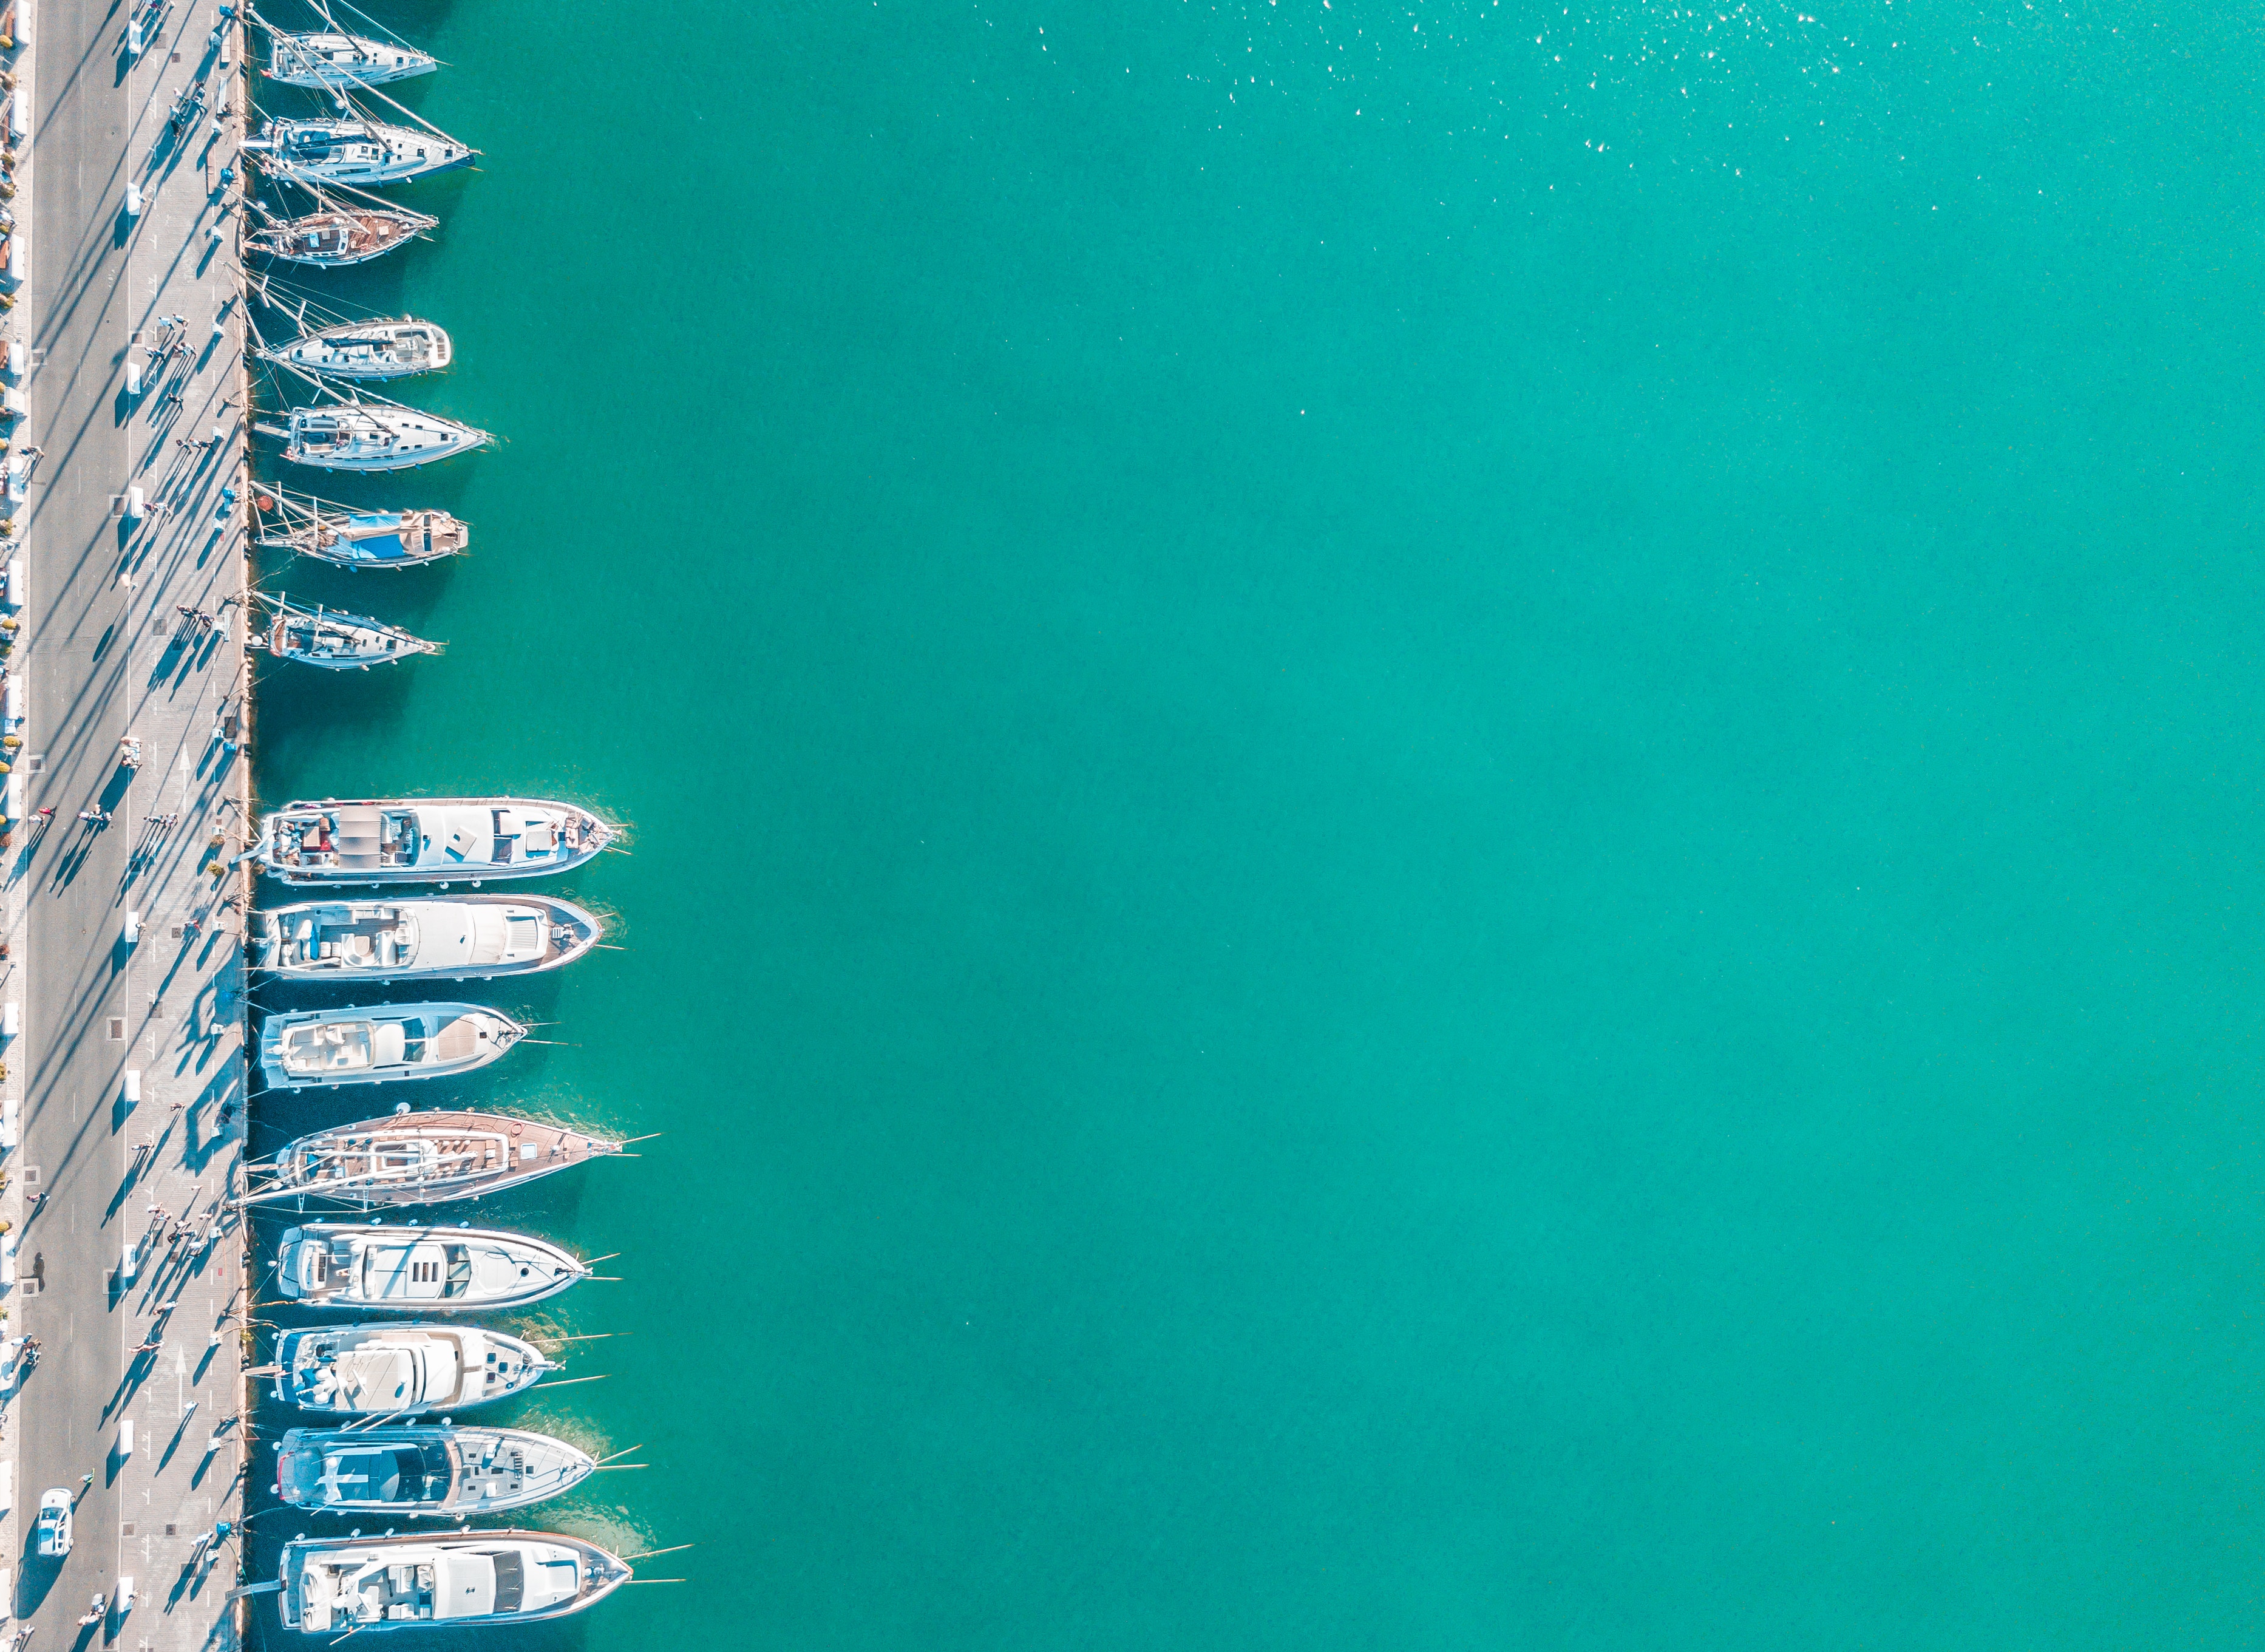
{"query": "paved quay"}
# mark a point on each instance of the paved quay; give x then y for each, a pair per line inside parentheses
(129, 1065)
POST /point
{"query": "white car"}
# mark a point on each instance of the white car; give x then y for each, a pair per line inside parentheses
(53, 1528)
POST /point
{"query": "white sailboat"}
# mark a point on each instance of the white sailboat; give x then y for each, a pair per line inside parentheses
(365, 154)
(329, 61)
(367, 437)
(383, 349)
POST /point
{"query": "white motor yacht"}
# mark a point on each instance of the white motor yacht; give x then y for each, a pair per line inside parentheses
(380, 1044)
(462, 938)
(448, 1269)
(393, 1370)
(427, 840)
(442, 1470)
(331, 1586)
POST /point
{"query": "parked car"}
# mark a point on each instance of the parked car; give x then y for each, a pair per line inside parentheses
(52, 1532)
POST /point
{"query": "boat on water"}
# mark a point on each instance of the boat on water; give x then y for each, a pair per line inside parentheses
(450, 1269)
(371, 437)
(467, 937)
(360, 539)
(326, 61)
(472, 1579)
(335, 641)
(423, 1158)
(427, 840)
(439, 1470)
(394, 1369)
(380, 1044)
(339, 236)
(366, 154)
(385, 349)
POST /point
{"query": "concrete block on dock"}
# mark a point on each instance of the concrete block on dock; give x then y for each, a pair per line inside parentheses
(16, 796)
(11, 1018)
(20, 113)
(132, 1087)
(14, 587)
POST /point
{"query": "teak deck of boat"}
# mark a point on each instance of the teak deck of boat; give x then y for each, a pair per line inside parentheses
(471, 1164)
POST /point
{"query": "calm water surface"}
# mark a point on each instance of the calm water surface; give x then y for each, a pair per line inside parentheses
(1446, 815)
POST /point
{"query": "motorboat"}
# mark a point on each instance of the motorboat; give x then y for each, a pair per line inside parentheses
(427, 840)
(442, 1470)
(423, 1158)
(450, 1270)
(393, 1370)
(366, 154)
(383, 349)
(381, 1044)
(327, 62)
(360, 437)
(467, 937)
(360, 539)
(339, 236)
(335, 641)
(472, 1579)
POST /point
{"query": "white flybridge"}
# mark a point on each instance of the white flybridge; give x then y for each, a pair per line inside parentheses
(327, 62)
(333, 1586)
(443, 1470)
(333, 641)
(448, 1269)
(391, 1370)
(379, 1044)
(381, 349)
(470, 938)
(355, 152)
(427, 840)
(372, 436)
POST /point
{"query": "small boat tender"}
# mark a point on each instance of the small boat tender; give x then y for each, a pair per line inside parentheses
(427, 840)
(334, 1586)
(450, 1269)
(396, 1369)
(467, 937)
(445, 1470)
(325, 61)
(366, 154)
(381, 1044)
(385, 349)
(425, 1158)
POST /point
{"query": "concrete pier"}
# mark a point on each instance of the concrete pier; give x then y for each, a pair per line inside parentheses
(128, 1072)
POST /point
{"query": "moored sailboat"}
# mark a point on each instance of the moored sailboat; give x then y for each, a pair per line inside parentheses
(325, 61)
(363, 436)
(423, 1158)
(381, 349)
(335, 641)
(338, 237)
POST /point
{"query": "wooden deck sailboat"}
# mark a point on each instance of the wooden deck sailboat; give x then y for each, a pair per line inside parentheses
(357, 539)
(335, 641)
(425, 1158)
(338, 237)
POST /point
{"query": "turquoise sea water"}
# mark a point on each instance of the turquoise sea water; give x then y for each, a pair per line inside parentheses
(1446, 815)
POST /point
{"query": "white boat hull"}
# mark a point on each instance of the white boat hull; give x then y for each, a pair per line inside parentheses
(465, 938)
(358, 1267)
(324, 1049)
(374, 438)
(435, 840)
(386, 1369)
(342, 61)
